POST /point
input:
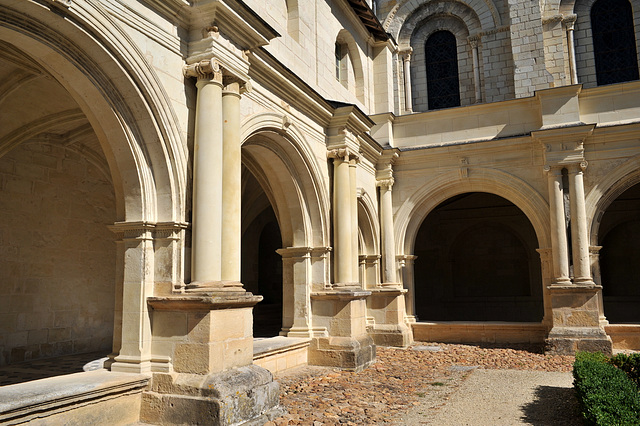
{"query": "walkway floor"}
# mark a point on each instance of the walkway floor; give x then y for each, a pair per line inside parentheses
(503, 397)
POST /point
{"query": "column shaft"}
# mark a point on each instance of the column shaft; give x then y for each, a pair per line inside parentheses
(579, 232)
(476, 71)
(231, 184)
(388, 240)
(207, 182)
(407, 83)
(355, 276)
(572, 54)
(558, 231)
(342, 222)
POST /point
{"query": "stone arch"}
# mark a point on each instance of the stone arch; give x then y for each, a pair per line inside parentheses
(116, 89)
(368, 226)
(486, 11)
(368, 241)
(354, 60)
(419, 37)
(607, 190)
(296, 192)
(583, 40)
(415, 209)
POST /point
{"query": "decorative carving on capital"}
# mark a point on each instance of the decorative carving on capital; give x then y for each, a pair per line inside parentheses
(211, 31)
(473, 41)
(569, 21)
(344, 154)
(207, 69)
(583, 165)
(406, 53)
(386, 183)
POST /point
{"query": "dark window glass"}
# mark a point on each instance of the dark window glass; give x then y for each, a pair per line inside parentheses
(614, 41)
(443, 88)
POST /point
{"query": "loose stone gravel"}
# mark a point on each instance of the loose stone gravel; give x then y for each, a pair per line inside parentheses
(423, 376)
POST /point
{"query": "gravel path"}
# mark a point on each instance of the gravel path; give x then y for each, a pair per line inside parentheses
(504, 397)
(419, 384)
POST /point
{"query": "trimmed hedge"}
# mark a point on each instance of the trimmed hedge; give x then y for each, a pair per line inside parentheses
(606, 394)
(630, 364)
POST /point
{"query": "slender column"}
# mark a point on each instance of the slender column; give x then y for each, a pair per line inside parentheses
(406, 263)
(342, 218)
(569, 23)
(353, 195)
(206, 228)
(558, 230)
(476, 68)
(406, 61)
(231, 184)
(386, 227)
(579, 230)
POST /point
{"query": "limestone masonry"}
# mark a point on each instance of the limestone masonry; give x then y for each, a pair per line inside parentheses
(212, 191)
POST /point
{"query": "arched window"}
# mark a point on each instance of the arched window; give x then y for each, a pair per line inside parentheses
(614, 41)
(443, 87)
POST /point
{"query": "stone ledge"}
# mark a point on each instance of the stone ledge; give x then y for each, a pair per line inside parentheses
(341, 294)
(274, 345)
(203, 302)
(46, 397)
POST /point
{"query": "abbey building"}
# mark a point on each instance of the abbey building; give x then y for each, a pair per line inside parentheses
(212, 191)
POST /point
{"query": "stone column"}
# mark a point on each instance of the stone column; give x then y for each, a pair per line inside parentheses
(473, 41)
(406, 61)
(569, 23)
(353, 195)
(388, 236)
(558, 230)
(342, 232)
(231, 184)
(206, 228)
(595, 270)
(134, 355)
(579, 229)
(406, 264)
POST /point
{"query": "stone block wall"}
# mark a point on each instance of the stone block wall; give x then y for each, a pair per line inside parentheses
(497, 66)
(57, 262)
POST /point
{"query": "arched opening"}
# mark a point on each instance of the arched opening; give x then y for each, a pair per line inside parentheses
(57, 199)
(441, 54)
(477, 261)
(614, 41)
(619, 257)
(261, 264)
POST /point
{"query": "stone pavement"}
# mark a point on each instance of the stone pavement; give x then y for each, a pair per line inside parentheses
(418, 381)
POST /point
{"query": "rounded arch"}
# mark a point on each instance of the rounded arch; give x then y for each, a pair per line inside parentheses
(481, 8)
(276, 154)
(415, 209)
(119, 93)
(607, 190)
(465, 16)
(353, 56)
(368, 225)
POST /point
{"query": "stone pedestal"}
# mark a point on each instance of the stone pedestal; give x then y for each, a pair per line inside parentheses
(346, 343)
(576, 321)
(202, 357)
(386, 309)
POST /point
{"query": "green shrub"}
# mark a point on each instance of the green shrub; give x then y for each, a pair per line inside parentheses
(630, 364)
(606, 394)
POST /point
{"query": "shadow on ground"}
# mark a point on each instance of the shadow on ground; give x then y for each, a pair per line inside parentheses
(553, 406)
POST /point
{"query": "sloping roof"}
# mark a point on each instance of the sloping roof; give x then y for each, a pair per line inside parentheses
(368, 18)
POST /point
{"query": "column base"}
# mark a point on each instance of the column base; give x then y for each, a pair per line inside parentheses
(346, 343)
(569, 340)
(349, 353)
(246, 395)
(386, 309)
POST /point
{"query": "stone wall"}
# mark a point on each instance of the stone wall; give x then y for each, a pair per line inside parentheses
(58, 256)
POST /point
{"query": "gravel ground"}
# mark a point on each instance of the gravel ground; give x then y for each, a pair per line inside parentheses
(415, 385)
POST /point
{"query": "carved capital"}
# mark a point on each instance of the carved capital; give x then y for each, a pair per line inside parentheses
(344, 154)
(207, 69)
(386, 183)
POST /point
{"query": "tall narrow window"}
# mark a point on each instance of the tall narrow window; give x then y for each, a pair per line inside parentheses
(443, 87)
(614, 41)
(338, 57)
